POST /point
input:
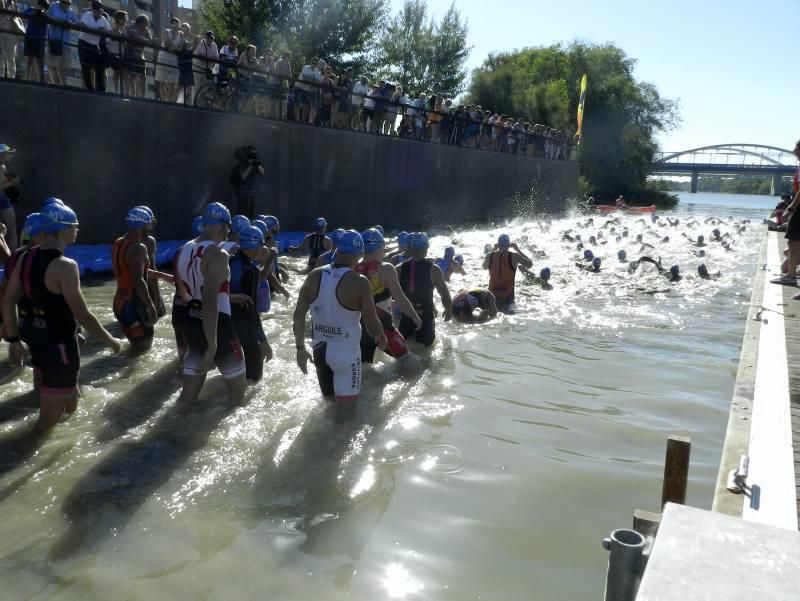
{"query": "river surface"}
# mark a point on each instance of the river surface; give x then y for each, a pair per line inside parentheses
(494, 473)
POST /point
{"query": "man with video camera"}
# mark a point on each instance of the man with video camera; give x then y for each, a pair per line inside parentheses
(244, 179)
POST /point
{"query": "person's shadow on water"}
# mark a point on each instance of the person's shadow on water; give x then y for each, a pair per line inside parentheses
(104, 500)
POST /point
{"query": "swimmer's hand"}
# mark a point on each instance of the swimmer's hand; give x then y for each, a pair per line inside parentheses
(266, 351)
(16, 353)
(152, 314)
(303, 357)
(116, 345)
(381, 342)
(448, 313)
(207, 363)
(241, 299)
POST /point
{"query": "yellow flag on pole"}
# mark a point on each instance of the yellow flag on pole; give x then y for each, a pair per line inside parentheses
(579, 133)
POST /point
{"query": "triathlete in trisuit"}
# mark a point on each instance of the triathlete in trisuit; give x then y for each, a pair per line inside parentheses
(399, 254)
(269, 280)
(133, 306)
(152, 275)
(238, 223)
(467, 300)
(50, 285)
(329, 256)
(385, 285)
(418, 277)
(202, 267)
(502, 265)
(450, 263)
(338, 298)
(244, 303)
(315, 243)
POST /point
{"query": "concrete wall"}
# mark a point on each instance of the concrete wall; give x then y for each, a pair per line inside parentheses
(103, 154)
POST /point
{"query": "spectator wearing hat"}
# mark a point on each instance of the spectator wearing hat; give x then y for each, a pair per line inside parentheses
(205, 55)
(9, 193)
(11, 31)
(58, 41)
(138, 34)
(93, 61)
(35, 35)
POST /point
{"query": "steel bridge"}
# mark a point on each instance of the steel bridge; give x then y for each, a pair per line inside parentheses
(728, 159)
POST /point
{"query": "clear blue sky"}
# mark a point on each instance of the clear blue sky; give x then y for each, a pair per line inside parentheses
(731, 64)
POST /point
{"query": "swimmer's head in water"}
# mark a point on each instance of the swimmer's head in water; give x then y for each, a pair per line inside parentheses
(350, 243)
(273, 225)
(251, 237)
(592, 240)
(700, 239)
(320, 224)
(675, 270)
(622, 255)
(702, 270)
(261, 226)
(487, 248)
(459, 259)
(418, 241)
(238, 223)
(701, 253)
(57, 218)
(638, 237)
(624, 233)
(596, 263)
(665, 239)
(588, 255)
(503, 241)
(52, 201)
(137, 218)
(402, 240)
(449, 252)
(373, 240)
(215, 214)
(715, 232)
(545, 273)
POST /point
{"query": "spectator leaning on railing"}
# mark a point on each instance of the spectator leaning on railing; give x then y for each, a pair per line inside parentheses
(92, 57)
(12, 28)
(35, 36)
(58, 41)
(138, 34)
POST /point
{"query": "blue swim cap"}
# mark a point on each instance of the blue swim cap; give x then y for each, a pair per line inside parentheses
(262, 227)
(137, 218)
(700, 238)
(622, 255)
(379, 228)
(216, 213)
(33, 225)
(147, 210)
(702, 269)
(373, 240)
(580, 245)
(238, 223)
(418, 241)
(701, 253)
(459, 259)
(503, 241)
(596, 262)
(320, 224)
(588, 255)
(402, 238)
(449, 252)
(57, 218)
(272, 222)
(545, 273)
(52, 200)
(675, 270)
(197, 226)
(624, 233)
(350, 243)
(251, 237)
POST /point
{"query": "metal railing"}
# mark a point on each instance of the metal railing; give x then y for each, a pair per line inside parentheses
(203, 82)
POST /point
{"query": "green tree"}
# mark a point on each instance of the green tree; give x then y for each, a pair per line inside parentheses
(422, 55)
(622, 115)
(337, 31)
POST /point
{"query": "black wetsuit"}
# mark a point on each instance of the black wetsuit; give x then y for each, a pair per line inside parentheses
(415, 280)
(48, 325)
(246, 320)
(316, 245)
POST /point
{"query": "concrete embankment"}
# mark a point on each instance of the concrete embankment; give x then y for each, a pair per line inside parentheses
(103, 154)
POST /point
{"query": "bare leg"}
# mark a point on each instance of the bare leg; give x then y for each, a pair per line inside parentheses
(192, 385)
(236, 389)
(794, 258)
(51, 408)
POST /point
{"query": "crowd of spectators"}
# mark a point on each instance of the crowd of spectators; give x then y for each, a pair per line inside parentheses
(320, 95)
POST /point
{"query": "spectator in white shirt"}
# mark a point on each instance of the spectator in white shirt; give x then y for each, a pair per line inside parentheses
(206, 52)
(306, 90)
(360, 91)
(93, 61)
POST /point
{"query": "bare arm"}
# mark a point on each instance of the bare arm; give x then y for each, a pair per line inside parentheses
(388, 276)
(137, 259)
(69, 284)
(217, 271)
(10, 299)
(304, 298)
(520, 258)
(487, 260)
(369, 315)
(5, 252)
(437, 278)
(302, 246)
